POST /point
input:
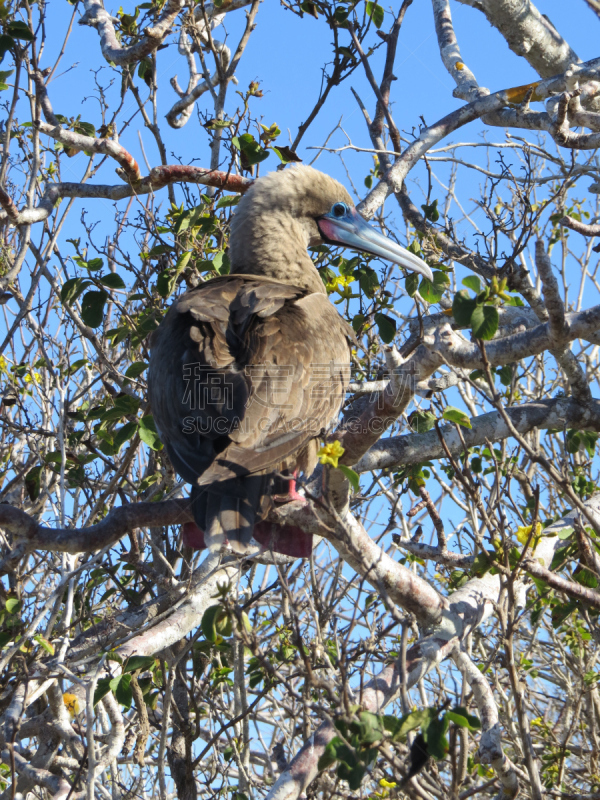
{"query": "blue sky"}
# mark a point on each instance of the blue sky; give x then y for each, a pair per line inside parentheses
(286, 55)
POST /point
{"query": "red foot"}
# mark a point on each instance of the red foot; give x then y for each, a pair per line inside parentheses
(291, 495)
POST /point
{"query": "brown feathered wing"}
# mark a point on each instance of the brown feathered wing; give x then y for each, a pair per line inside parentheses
(245, 373)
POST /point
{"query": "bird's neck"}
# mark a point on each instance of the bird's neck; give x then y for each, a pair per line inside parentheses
(274, 246)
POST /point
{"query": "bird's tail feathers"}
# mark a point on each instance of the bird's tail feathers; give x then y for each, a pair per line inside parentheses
(227, 511)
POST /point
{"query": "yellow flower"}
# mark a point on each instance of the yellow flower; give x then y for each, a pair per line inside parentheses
(71, 702)
(387, 784)
(340, 284)
(3, 365)
(331, 453)
(523, 534)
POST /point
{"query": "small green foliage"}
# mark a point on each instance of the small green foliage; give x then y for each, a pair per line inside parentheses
(148, 433)
(579, 441)
(484, 322)
(367, 279)
(431, 211)
(415, 475)
(480, 313)
(216, 624)
(357, 746)
(6, 44)
(92, 308)
(457, 416)
(113, 280)
(433, 292)
(250, 150)
(286, 155)
(4, 75)
(376, 13)
(386, 326)
(352, 476)
(421, 421)
(19, 30)
(463, 307)
(411, 282)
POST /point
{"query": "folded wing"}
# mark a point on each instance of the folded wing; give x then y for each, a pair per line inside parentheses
(245, 374)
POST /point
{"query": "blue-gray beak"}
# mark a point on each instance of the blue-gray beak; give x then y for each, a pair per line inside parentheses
(345, 226)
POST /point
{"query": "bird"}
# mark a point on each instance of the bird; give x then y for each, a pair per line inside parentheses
(248, 370)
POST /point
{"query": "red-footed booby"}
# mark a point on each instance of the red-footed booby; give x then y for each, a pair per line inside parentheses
(249, 369)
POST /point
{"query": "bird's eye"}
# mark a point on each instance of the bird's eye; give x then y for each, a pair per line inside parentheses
(339, 210)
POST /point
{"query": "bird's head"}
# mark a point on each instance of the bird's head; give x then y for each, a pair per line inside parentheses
(285, 212)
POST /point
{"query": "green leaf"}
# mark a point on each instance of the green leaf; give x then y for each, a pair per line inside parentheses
(148, 433)
(431, 211)
(33, 483)
(576, 441)
(358, 320)
(102, 689)
(218, 124)
(463, 306)
(484, 322)
(135, 370)
(376, 13)
(209, 620)
(6, 43)
(113, 280)
(386, 326)
(585, 578)
(139, 662)
(164, 283)
(422, 421)
(461, 717)
(514, 301)
(329, 756)
(341, 15)
(351, 475)
(433, 292)
(121, 688)
(92, 308)
(182, 261)
(310, 8)
(13, 605)
(399, 728)
(220, 263)
(472, 282)
(124, 406)
(20, 30)
(505, 374)
(353, 776)
(48, 646)
(367, 279)
(250, 150)
(286, 154)
(123, 434)
(86, 129)
(565, 533)
(94, 264)
(456, 415)
(411, 283)
(72, 288)
(229, 200)
(435, 736)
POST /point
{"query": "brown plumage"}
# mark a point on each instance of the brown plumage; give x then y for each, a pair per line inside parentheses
(249, 369)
